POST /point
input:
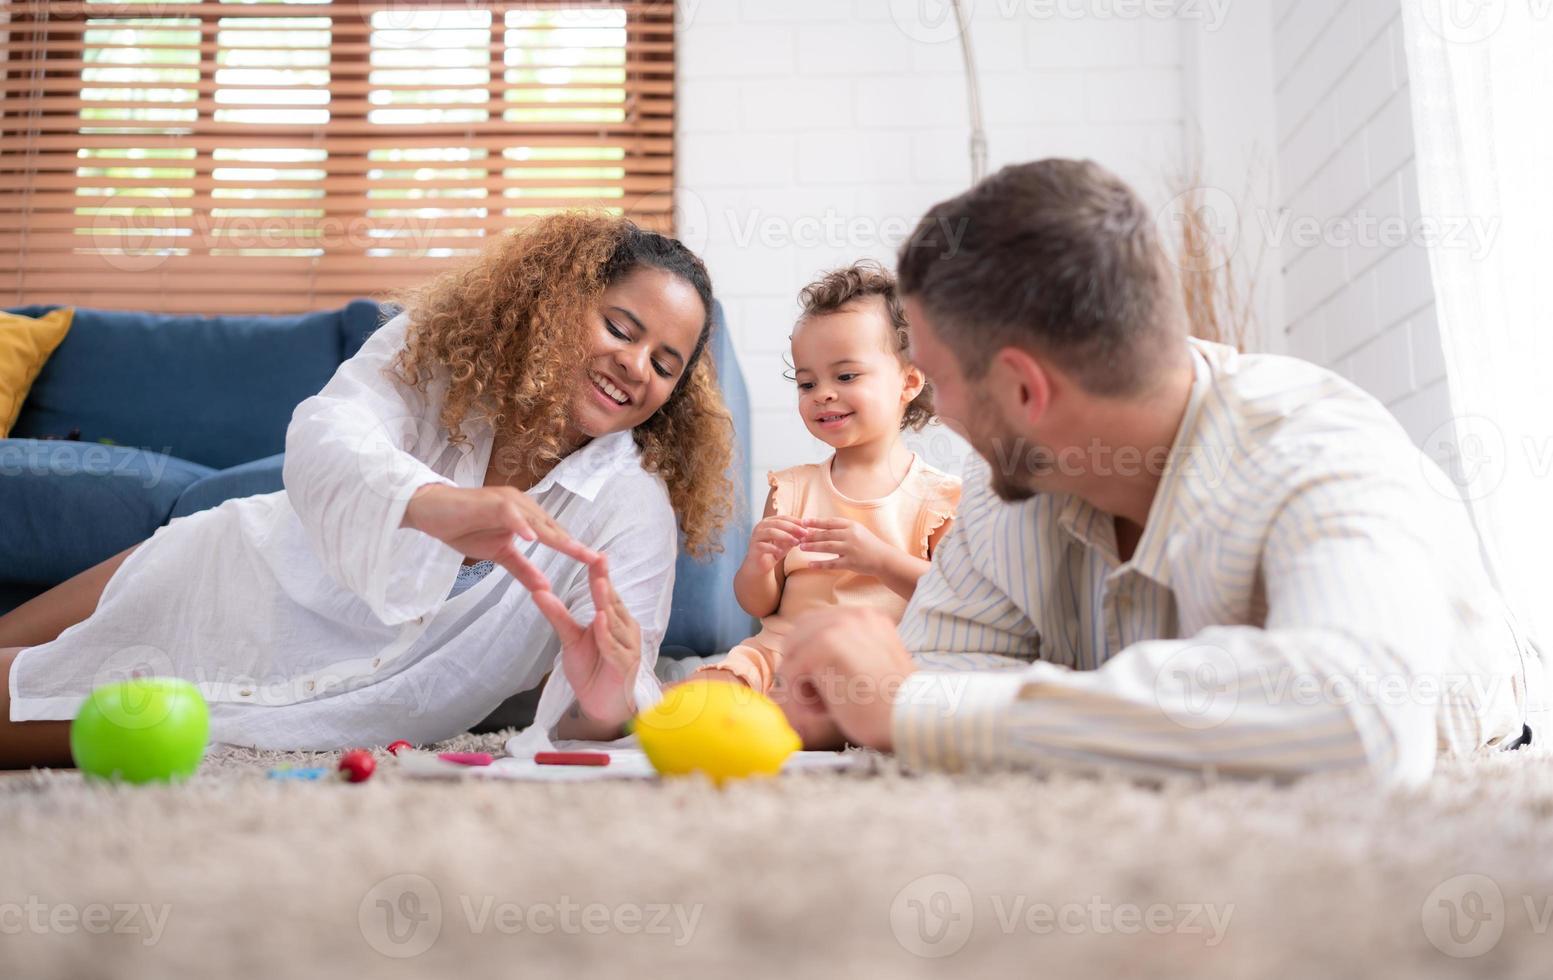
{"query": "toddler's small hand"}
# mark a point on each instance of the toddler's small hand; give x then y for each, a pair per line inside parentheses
(772, 539)
(857, 549)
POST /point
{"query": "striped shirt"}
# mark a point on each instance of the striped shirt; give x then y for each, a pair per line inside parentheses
(1302, 599)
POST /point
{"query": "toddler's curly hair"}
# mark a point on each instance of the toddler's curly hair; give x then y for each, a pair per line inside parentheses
(839, 288)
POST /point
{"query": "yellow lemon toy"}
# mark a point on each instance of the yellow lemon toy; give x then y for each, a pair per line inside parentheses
(724, 730)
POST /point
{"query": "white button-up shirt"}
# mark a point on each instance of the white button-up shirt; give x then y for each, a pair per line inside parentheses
(311, 620)
(1304, 597)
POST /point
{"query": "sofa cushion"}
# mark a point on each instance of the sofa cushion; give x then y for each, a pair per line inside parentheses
(213, 390)
(259, 476)
(705, 616)
(25, 345)
(359, 320)
(70, 505)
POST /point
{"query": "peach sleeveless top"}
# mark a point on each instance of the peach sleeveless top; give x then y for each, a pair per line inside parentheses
(906, 518)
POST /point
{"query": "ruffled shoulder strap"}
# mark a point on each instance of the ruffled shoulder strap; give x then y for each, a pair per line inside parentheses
(791, 488)
(940, 496)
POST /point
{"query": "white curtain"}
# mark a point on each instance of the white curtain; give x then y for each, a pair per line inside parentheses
(1481, 76)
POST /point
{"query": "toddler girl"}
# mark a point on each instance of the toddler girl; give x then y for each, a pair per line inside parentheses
(859, 528)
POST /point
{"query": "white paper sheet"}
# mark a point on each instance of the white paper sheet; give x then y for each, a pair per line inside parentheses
(624, 763)
(627, 763)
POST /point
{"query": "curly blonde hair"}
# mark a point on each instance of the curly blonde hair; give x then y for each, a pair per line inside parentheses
(508, 330)
(840, 288)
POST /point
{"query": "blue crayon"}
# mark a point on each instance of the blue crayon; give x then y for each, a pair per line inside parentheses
(311, 775)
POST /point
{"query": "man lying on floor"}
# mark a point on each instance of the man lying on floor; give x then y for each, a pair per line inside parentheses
(1170, 557)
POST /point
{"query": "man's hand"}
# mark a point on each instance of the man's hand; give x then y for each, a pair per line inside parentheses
(839, 676)
(601, 659)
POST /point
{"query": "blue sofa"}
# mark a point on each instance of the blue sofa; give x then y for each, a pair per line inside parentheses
(175, 414)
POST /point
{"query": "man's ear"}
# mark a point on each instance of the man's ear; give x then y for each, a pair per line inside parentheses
(1020, 385)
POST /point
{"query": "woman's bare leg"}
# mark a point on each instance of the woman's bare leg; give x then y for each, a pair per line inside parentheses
(38, 620)
(42, 618)
(24, 744)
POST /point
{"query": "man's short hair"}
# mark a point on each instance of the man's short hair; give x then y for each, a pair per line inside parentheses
(1058, 257)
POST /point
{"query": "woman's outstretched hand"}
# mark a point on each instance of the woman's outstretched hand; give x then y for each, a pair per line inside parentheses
(485, 523)
(602, 658)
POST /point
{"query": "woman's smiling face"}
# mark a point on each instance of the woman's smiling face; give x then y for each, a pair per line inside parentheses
(644, 331)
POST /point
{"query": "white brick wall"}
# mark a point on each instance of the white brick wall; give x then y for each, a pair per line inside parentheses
(814, 132)
(1357, 291)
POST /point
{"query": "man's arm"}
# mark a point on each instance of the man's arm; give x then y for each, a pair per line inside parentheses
(961, 617)
(1338, 679)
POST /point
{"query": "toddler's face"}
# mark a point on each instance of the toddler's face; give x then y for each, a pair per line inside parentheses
(852, 387)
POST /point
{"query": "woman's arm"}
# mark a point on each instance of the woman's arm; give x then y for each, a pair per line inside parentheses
(577, 725)
(386, 525)
(350, 473)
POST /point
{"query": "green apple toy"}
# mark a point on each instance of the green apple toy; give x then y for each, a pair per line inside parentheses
(150, 729)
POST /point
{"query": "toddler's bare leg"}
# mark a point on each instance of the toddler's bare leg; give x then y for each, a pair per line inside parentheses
(751, 663)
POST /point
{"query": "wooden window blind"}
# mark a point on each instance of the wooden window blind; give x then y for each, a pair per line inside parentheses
(283, 155)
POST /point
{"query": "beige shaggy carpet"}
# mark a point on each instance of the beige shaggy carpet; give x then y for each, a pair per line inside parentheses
(873, 874)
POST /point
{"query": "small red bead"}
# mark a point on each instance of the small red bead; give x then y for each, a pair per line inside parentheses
(357, 764)
(394, 747)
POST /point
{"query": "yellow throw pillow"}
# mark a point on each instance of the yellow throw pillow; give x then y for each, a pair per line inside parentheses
(25, 346)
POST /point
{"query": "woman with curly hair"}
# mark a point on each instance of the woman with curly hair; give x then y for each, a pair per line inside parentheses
(547, 410)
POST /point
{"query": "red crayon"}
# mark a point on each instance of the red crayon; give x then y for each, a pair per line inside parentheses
(571, 758)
